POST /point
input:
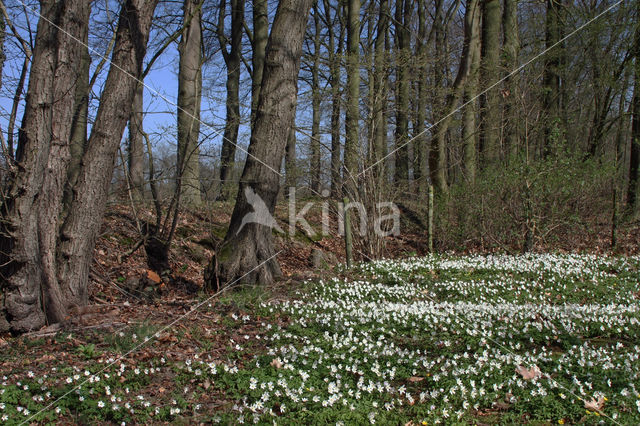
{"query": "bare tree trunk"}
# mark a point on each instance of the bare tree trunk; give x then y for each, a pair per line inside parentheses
(551, 79)
(247, 253)
(421, 150)
(334, 81)
(32, 294)
(469, 128)
(3, 56)
(490, 71)
(381, 90)
(260, 38)
(352, 116)
(403, 41)
(510, 50)
(633, 189)
(439, 161)
(136, 150)
(315, 166)
(232, 59)
(290, 169)
(189, 98)
(78, 141)
(80, 229)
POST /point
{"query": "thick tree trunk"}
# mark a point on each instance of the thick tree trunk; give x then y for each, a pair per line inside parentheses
(232, 60)
(3, 56)
(510, 50)
(315, 166)
(189, 98)
(490, 120)
(32, 293)
(352, 116)
(247, 253)
(421, 150)
(551, 79)
(469, 130)
(633, 189)
(80, 229)
(290, 169)
(334, 81)
(381, 90)
(260, 38)
(78, 140)
(438, 158)
(403, 81)
(136, 150)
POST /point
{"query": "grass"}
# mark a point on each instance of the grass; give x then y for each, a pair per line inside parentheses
(435, 340)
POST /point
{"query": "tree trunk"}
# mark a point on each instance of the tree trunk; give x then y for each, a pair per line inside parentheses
(490, 119)
(78, 140)
(3, 56)
(633, 189)
(469, 128)
(136, 150)
(260, 38)
(232, 59)
(32, 294)
(381, 89)
(247, 253)
(551, 79)
(438, 158)
(352, 116)
(189, 98)
(315, 166)
(510, 50)
(403, 81)
(334, 81)
(421, 150)
(290, 169)
(80, 229)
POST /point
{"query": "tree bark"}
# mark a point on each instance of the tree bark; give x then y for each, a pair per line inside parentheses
(315, 166)
(78, 141)
(438, 158)
(136, 150)
(490, 120)
(290, 169)
(510, 51)
(352, 116)
(259, 45)
(421, 150)
(469, 128)
(247, 253)
(189, 98)
(80, 229)
(551, 79)
(633, 189)
(403, 41)
(381, 89)
(232, 59)
(32, 293)
(334, 81)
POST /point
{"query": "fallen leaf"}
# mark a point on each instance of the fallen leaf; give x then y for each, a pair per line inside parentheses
(166, 338)
(276, 363)
(529, 373)
(153, 276)
(594, 404)
(414, 379)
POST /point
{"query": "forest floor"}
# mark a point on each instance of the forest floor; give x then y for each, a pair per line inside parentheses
(457, 338)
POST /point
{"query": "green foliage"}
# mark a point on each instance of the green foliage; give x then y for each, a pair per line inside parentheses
(537, 199)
